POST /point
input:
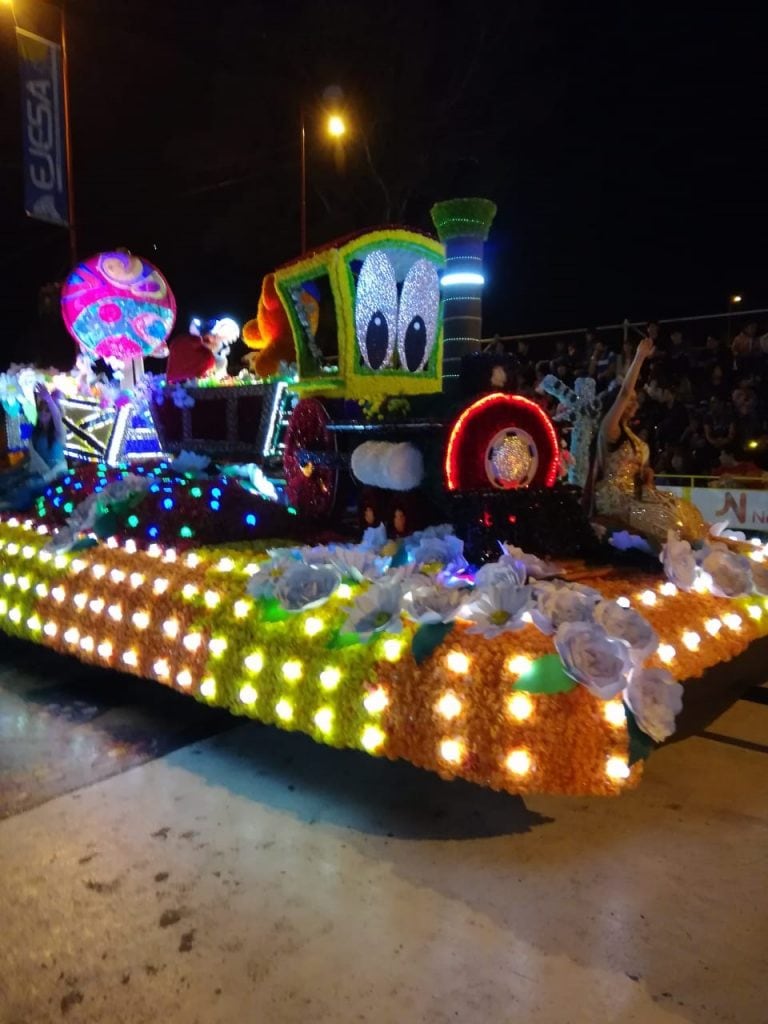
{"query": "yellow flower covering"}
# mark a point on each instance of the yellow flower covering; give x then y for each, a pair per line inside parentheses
(186, 621)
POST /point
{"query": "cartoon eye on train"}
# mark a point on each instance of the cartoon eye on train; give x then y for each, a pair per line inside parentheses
(382, 326)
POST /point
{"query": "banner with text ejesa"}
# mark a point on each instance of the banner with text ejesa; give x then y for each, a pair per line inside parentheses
(742, 509)
(42, 120)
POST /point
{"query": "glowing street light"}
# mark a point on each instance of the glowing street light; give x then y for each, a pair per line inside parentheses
(336, 126)
(736, 299)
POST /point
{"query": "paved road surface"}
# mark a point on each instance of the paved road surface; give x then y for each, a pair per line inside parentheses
(161, 862)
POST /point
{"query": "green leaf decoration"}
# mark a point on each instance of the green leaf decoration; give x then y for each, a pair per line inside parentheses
(84, 543)
(107, 525)
(427, 638)
(339, 640)
(400, 557)
(546, 675)
(640, 743)
(272, 610)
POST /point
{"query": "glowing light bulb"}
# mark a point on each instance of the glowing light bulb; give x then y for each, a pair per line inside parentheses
(623, 602)
(457, 662)
(211, 598)
(248, 695)
(97, 605)
(617, 768)
(614, 712)
(251, 569)
(376, 700)
(217, 646)
(755, 611)
(284, 710)
(117, 575)
(80, 601)
(691, 640)
(192, 641)
(648, 598)
(78, 565)
(23, 583)
(161, 668)
(372, 737)
(713, 626)
(130, 547)
(99, 571)
(392, 649)
(15, 615)
(519, 762)
(192, 560)
(59, 594)
(9, 579)
(41, 590)
(160, 586)
(141, 619)
(254, 662)
(757, 556)
(104, 650)
(344, 591)
(154, 551)
(87, 644)
(324, 720)
(449, 706)
(13, 549)
(184, 679)
(452, 751)
(226, 565)
(666, 653)
(313, 625)
(519, 665)
(136, 580)
(668, 589)
(60, 562)
(241, 609)
(27, 551)
(527, 618)
(33, 623)
(702, 583)
(115, 612)
(170, 555)
(171, 628)
(732, 620)
(330, 678)
(45, 556)
(130, 658)
(188, 591)
(520, 706)
(50, 629)
(292, 670)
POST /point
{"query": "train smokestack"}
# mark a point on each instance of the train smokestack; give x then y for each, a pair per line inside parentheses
(462, 226)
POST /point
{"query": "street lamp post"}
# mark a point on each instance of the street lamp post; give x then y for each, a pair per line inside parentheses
(336, 127)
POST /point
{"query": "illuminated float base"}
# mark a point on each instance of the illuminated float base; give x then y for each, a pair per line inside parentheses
(474, 708)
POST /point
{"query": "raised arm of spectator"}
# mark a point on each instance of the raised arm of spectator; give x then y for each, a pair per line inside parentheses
(611, 427)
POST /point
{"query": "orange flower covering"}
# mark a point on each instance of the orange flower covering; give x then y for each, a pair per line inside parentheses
(187, 622)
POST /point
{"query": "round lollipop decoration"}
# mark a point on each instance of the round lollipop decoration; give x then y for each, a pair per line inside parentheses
(118, 307)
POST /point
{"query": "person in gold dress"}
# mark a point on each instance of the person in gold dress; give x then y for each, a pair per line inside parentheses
(625, 493)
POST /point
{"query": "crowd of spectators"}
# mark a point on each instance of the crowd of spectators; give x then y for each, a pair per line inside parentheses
(703, 402)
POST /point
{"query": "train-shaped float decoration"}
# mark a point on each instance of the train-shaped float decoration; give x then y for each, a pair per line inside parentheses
(393, 409)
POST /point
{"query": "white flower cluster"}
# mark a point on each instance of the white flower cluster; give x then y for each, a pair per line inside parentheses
(715, 568)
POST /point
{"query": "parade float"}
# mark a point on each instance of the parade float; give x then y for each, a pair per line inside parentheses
(364, 536)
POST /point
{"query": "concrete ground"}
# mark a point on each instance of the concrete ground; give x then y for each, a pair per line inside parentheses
(159, 865)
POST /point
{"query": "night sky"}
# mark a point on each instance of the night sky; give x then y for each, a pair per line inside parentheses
(624, 144)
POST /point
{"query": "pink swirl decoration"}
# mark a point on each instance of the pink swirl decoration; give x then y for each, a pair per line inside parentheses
(118, 305)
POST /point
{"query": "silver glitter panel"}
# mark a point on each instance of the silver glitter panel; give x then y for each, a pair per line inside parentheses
(376, 292)
(420, 297)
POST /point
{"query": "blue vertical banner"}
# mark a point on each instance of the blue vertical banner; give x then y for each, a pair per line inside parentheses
(42, 119)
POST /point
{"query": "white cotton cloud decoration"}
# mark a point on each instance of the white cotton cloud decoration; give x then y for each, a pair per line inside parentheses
(398, 467)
